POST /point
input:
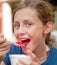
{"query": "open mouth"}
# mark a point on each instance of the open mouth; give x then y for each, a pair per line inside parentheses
(26, 41)
(23, 43)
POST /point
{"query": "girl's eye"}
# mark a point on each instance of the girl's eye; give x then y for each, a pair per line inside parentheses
(29, 24)
(17, 26)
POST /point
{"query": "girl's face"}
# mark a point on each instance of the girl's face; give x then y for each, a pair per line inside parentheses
(28, 28)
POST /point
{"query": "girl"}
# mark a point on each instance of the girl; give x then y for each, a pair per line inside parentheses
(32, 24)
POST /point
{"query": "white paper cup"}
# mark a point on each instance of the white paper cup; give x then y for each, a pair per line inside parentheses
(15, 58)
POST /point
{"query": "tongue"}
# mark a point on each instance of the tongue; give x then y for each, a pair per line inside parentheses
(26, 41)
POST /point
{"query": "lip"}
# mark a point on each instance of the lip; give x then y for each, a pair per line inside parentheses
(22, 39)
(25, 40)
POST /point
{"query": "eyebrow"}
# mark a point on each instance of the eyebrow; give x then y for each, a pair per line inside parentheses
(25, 21)
(15, 22)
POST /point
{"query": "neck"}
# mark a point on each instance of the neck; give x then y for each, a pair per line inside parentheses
(41, 53)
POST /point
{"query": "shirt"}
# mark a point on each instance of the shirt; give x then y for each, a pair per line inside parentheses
(51, 59)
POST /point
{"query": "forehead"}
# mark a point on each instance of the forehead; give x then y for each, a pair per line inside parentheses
(25, 12)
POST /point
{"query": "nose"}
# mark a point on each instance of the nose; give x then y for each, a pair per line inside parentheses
(22, 30)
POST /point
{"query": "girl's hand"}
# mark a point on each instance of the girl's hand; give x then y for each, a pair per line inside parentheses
(35, 60)
(4, 46)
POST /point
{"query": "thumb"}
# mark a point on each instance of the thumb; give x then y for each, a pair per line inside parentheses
(28, 52)
(33, 56)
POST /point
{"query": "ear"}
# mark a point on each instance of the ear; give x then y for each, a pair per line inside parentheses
(48, 27)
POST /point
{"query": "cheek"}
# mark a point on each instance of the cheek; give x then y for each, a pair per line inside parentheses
(35, 32)
(16, 34)
(32, 31)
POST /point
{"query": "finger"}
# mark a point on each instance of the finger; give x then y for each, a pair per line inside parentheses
(2, 40)
(28, 52)
(33, 56)
(5, 48)
(34, 63)
(4, 52)
(19, 63)
(4, 44)
(22, 62)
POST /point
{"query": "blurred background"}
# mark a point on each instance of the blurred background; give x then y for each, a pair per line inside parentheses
(6, 8)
